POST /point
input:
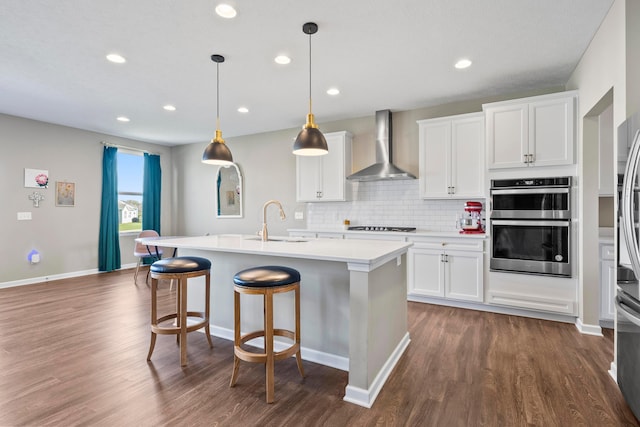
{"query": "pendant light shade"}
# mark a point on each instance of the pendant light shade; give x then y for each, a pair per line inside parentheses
(217, 152)
(310, 141)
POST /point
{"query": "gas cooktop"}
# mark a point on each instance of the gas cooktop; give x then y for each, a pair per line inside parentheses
(381, 228)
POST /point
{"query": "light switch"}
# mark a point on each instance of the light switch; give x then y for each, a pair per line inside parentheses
(24, 216)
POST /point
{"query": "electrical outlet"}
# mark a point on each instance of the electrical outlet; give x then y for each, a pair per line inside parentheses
(298, 215)
(24, 216)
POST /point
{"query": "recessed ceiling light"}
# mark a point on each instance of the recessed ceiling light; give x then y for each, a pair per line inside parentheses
(333, 91)
(243, 110)
(114, 57)
(123, 119)
(463, 63)
(169, 107)
(282, 59)
(226, 11)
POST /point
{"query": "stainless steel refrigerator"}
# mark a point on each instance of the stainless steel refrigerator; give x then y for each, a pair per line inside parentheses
(628, 291)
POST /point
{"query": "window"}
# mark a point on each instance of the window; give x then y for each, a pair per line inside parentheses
(130, 179)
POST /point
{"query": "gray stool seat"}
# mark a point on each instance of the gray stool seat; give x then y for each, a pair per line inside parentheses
(270, 275)
(180, 268)
(266, 281)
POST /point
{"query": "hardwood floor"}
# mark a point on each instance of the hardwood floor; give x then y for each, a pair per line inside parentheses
(73, 352)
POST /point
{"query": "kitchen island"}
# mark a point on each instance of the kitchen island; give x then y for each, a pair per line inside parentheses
(353, 299)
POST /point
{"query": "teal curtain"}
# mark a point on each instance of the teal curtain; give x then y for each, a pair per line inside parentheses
(151, 188)
(109, 240)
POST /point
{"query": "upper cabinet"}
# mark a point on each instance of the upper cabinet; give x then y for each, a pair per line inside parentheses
(452, 156)
(323, 178)
(537, 131)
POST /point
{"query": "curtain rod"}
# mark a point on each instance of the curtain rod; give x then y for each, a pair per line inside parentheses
(109, 144)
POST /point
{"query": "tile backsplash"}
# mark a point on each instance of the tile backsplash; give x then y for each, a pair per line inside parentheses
(387, 203)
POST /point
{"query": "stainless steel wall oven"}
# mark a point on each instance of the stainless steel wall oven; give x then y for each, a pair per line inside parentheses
(530, 226)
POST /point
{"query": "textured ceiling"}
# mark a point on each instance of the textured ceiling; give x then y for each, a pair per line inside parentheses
(381, 54)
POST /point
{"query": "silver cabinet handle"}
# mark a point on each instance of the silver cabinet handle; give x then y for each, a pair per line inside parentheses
(526, 158)
(531, 158)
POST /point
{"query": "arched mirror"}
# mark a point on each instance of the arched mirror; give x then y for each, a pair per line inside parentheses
(229, 192)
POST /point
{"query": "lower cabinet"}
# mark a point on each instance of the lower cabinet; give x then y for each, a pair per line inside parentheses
(446, 269)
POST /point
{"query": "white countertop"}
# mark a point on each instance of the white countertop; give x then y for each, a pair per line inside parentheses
(351, 251)
(605, 234)
(417, 233)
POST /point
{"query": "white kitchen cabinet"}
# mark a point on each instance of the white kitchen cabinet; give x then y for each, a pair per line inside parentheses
(536, 131)
(451, 269)
(607, 181)
(323, 178)
(607, 282)
(452, 156)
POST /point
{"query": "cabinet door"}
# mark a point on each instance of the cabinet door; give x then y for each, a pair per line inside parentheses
(608, 290)
(551, 132)
(435, 159)
(507, 136)
(308, 178)
(425, 272)
(332, 172)
(467, 157)
(464, 272)
(322, 178)
(607, 178)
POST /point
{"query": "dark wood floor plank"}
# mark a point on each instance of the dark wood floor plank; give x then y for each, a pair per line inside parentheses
(73, 352)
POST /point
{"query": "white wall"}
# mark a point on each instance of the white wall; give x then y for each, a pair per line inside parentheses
(66, 237)
(601, 69)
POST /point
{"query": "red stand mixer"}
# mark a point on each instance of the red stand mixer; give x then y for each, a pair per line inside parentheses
(470, 222)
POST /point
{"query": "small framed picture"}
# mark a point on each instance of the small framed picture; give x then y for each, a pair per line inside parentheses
(65, 193)
(36, 178)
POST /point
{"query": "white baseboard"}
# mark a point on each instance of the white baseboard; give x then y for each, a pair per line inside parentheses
(366, 397)
(588, 329)
(494, 309)
(42, 279)
(315, 356)
(613, 372)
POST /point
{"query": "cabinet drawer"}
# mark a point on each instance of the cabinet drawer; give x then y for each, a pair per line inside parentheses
(475, 245)
(607, 252)
(379, 236)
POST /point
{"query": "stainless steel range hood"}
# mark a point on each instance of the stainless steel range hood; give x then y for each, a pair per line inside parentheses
(383, 168)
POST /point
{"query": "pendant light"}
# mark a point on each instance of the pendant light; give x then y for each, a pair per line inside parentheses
(217, 152)
(310, 141)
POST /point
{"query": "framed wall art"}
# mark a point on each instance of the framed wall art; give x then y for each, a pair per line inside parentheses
(65, 193)
(36, 178)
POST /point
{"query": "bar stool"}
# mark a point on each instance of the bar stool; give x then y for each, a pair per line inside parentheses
(266, 281)
(180, 268)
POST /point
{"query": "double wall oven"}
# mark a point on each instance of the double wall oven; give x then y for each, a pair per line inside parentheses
(531, 226)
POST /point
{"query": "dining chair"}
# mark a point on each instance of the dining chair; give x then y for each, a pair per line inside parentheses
(145, 252)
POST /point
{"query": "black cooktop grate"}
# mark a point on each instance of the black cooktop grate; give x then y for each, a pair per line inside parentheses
(381, 228)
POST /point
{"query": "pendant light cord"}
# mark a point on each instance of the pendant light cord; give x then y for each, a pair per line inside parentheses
(217, 95)
(309, 73)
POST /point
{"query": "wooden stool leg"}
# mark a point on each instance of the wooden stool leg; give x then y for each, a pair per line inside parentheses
(178, 296)
(268, 343)
(183, 321)
(154, 315)
(207, 308)
(236, 337)
(297, 315)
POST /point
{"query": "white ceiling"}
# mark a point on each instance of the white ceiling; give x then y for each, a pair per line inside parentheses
(379, 53)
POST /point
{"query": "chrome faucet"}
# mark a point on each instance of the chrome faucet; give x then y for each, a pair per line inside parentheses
(264, 233)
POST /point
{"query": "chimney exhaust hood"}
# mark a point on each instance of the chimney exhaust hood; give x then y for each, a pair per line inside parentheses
(383, 168)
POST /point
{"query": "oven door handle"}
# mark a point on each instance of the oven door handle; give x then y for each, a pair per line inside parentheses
(627, 312)
(531, 223)
(532, 191)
